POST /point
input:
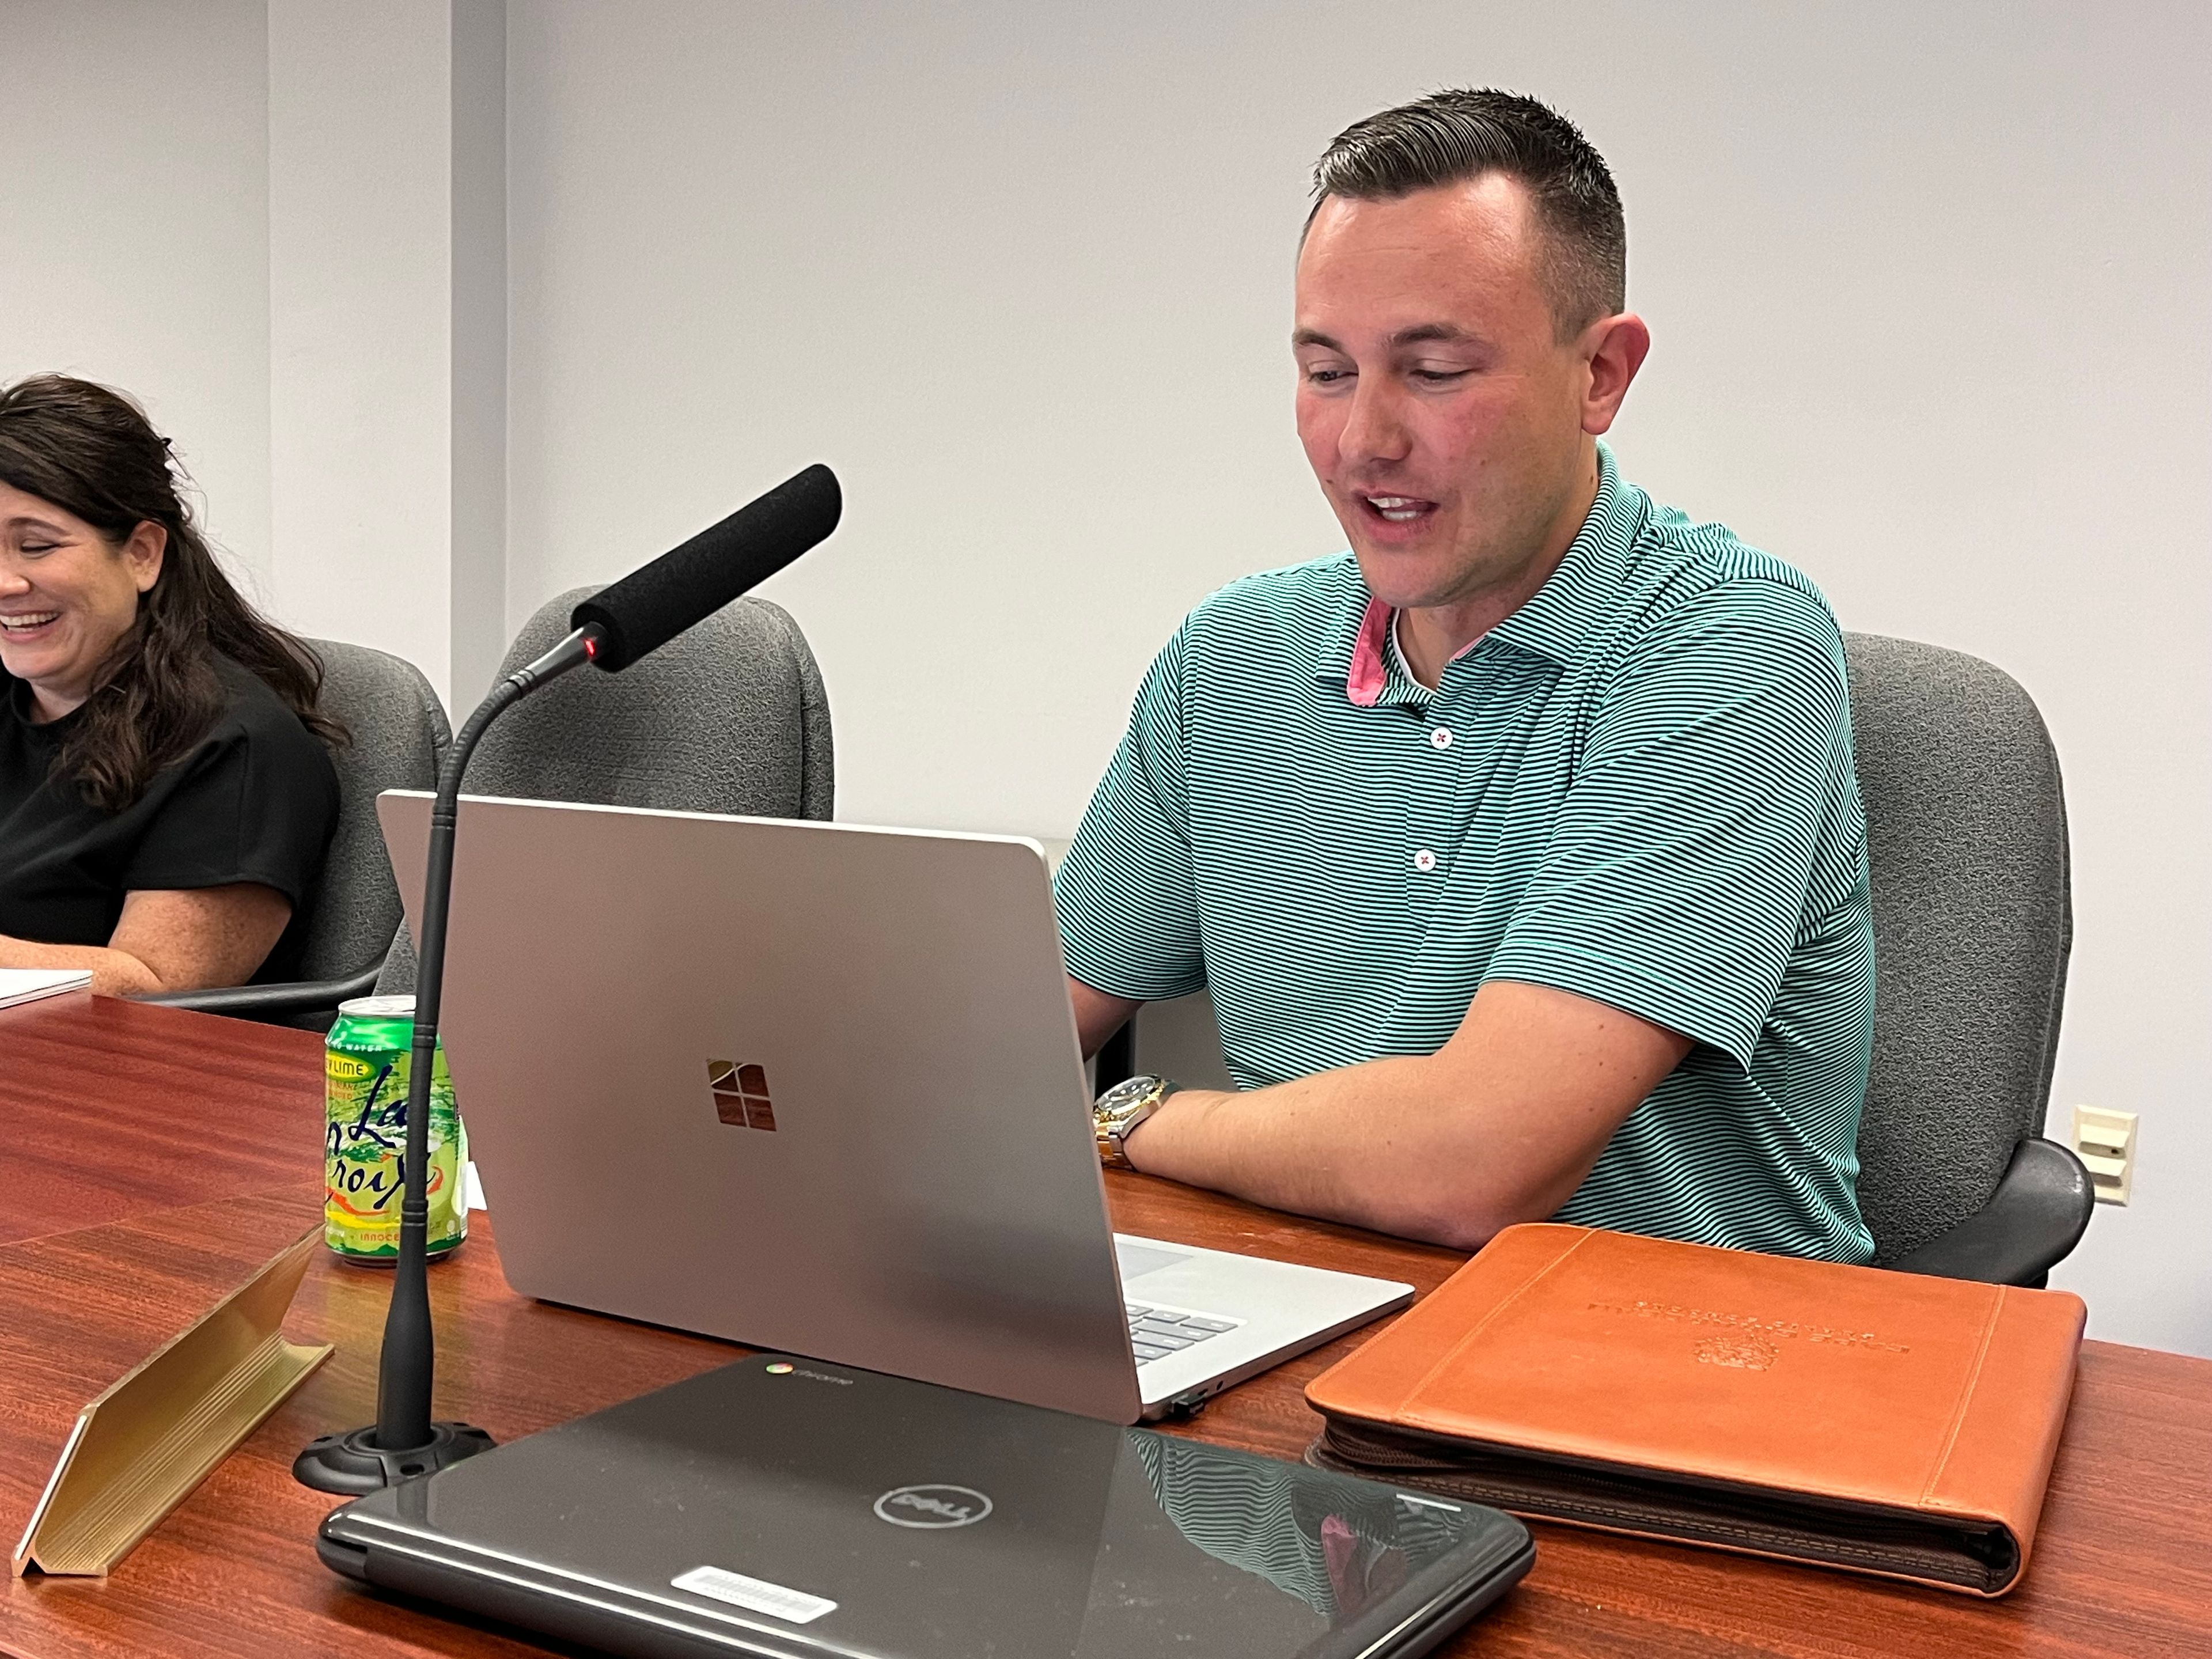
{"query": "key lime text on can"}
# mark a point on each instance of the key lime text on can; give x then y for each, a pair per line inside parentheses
(367, 1060)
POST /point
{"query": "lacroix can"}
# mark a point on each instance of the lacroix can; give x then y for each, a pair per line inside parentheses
(367, 1060)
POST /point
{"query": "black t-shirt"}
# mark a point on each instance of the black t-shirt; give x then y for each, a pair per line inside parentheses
(254, 799)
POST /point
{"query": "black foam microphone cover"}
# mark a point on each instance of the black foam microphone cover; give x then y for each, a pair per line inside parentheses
(653, 604)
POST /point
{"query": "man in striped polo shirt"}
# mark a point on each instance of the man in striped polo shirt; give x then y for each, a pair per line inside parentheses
(1520, 845)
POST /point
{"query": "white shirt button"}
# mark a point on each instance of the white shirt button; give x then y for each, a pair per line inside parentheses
(1441, 737)
(1424, 860)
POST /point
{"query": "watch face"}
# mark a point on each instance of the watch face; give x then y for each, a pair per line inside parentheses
(1127, 1093)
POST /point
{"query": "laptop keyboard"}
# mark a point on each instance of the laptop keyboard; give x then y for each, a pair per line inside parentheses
(1156, 1332)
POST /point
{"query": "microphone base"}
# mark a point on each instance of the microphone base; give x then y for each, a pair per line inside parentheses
(354, 1465)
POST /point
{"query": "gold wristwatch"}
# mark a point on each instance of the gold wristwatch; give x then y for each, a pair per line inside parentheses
(1119, 1111)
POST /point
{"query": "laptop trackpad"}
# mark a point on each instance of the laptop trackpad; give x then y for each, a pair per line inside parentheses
(1137, 1259)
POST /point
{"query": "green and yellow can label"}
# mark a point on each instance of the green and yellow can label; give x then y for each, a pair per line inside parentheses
(367, 1063)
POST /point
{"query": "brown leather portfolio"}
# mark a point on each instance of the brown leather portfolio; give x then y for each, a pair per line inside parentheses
(1883, 1422)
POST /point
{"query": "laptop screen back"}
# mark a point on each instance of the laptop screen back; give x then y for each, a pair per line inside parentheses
(806, 1087)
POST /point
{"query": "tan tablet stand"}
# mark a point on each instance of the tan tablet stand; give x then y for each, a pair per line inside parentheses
(141, 1447)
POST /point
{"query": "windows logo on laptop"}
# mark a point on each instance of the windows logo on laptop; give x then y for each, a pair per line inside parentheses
(740, 1093)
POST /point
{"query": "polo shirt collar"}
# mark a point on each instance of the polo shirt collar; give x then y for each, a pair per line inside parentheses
(1557, 616)
(1552, 623)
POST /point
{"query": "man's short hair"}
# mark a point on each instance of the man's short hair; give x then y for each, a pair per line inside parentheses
(1452, 136)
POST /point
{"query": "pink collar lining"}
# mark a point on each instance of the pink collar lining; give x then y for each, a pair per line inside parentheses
(1370, 670)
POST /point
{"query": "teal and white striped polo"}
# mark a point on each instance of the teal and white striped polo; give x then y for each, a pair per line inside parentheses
(1638, 788)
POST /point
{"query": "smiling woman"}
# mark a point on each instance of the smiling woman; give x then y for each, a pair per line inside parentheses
(166, 796)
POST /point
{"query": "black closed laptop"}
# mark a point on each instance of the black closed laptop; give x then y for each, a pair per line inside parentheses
(784, 1507)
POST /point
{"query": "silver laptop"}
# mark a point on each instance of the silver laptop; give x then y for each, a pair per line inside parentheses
(816, 1087)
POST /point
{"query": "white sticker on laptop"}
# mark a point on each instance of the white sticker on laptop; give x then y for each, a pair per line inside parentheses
(755, 1595)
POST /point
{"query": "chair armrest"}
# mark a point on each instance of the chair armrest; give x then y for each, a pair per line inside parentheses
(2036, 1216)
(274, 1004)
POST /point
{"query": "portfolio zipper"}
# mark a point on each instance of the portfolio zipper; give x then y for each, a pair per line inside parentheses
(1985, 1559)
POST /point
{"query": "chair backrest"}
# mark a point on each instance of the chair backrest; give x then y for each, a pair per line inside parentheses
(730, 717)
(1972, 924)
(398, 732)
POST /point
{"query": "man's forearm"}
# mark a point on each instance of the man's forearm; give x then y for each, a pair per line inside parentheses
(1368, 1144)
(1498, 1126)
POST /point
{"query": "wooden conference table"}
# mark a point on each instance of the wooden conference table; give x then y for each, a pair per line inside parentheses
(150, 1159)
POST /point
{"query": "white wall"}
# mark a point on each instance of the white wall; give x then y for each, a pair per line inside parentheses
(478, 458)
(134, 227)
(387, 239)
(1929, 290)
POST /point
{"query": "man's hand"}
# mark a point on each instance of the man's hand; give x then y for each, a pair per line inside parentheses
(1498, 1126)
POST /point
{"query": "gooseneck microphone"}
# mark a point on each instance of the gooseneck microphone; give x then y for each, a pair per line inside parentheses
(649, 607)
(637, 615)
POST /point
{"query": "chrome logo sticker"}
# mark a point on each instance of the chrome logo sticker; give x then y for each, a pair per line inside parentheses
(933, 1507)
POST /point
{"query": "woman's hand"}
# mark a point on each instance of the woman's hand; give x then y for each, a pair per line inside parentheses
(186, 940)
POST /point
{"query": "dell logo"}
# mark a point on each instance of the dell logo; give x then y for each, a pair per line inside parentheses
(740, 1095)
(932, 1506)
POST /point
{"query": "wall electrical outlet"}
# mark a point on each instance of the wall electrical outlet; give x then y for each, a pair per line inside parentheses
(2105, 1142)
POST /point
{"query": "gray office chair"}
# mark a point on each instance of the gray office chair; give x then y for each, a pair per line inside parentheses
(1972, 922)
(398, 732)
(730, 717)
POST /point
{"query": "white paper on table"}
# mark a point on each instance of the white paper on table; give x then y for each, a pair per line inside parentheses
(29, 984)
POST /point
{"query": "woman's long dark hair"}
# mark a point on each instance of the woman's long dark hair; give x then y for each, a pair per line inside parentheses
(92, 451)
